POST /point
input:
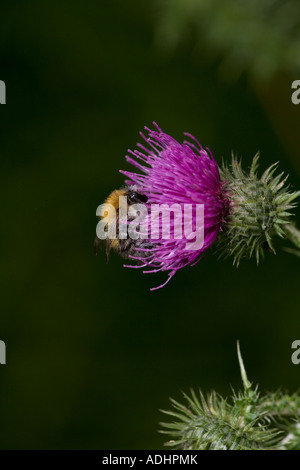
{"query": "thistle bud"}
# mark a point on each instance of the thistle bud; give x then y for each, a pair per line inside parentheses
(259, 210)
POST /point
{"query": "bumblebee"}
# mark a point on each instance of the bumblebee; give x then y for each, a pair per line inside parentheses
(125, 247)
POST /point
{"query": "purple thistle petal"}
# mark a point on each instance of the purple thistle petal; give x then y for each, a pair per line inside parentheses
(174, 173)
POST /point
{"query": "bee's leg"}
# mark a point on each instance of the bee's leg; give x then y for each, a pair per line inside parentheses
(97, 245)
(108, 248)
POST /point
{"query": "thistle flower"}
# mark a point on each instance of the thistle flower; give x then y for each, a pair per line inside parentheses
(239, 210)
(182, 175)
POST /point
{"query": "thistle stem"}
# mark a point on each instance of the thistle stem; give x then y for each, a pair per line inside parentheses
(282, 413)
(293, 234)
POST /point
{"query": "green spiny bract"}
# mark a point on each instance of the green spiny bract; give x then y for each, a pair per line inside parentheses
(216, 425)
(259, 210)
(248, 422)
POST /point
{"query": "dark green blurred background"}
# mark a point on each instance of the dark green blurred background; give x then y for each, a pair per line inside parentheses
(92, 355)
